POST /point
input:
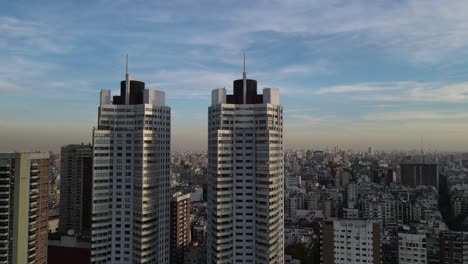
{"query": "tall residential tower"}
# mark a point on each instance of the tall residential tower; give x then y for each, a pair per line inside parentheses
(245, 175)
(76, 171)
(24, 179)
(131, 191)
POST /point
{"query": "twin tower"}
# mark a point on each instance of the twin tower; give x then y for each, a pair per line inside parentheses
(131, 176)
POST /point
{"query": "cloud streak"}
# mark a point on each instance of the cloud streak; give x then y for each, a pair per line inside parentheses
(415, 115)
(26, 37)
(10, 87)
(393, 92)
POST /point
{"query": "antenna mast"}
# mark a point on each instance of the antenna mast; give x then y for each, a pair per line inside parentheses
(244, 76)
(127, 83)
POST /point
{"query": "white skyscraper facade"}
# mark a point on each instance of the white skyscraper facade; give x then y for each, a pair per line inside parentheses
(245, 176)
(131, 177)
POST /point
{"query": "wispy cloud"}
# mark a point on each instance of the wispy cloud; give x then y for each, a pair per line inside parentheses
(189, 83)
(364, 87)
(305, 119)
(394, 91)
(423, 31)
(415, 115)
(10, 87)
(423, 92)
(30, 37)
(320, 67)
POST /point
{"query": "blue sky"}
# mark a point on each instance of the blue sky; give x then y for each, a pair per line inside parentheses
(350, 73)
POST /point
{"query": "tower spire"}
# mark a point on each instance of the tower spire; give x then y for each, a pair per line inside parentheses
(127, 83)
(126, 65)
(244, 61)
(244, 88)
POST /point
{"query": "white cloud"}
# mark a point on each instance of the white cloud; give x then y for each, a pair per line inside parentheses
(320, 67)
(364, 87)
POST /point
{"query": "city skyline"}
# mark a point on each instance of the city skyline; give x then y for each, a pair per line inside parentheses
(372, 74)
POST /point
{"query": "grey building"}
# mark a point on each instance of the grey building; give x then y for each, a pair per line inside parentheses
(76, 169)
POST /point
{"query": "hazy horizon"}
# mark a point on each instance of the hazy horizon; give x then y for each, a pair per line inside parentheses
(350, 74)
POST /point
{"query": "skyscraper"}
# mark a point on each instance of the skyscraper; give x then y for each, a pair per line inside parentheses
(245, 175)
(75, 189)
(23, 207)
(131, 176)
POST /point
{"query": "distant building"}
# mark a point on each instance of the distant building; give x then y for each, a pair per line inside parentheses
(459, 202)
(350, 213)
(197, 194)
(293, 180)
(24, 204)
(454, 247)
(350, 241)
(68, 249)
(292, 203)
(352, 195)
(412, 247)
(76, 180)
(318, 156)
(180, 227)
(195, 254)
(415, 174)
(199, 232)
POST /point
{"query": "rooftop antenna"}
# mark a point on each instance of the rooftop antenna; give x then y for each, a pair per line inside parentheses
(244, 89)
(127, 83)
(244, 61)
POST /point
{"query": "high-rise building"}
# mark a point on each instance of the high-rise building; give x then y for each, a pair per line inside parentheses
(415, 174)
(131, 176)
(76, 174)
(412, 247)
(245, 175)
(454, 247)
(350, 241)
(351, 193)
(180, 227)
(23, 207)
